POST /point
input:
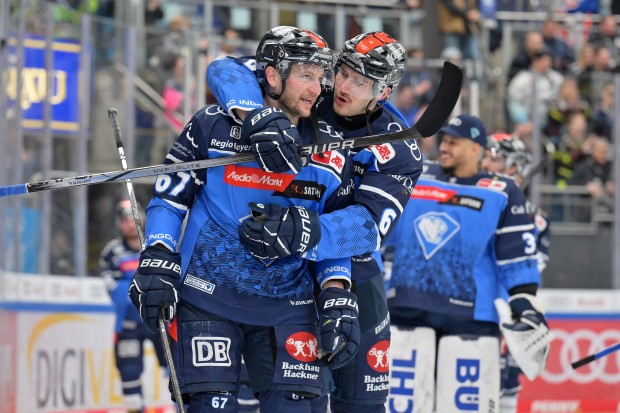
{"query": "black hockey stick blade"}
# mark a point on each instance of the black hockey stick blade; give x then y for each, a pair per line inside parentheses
(435, 115)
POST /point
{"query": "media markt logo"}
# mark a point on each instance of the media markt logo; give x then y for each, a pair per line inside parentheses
(433, 230)
(302, 346)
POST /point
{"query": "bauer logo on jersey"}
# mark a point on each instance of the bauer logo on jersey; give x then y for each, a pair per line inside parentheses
(331, 158)
(211, 351)
(302, 346)
(491, 184)
(377, 356)
(433, 230)
(256, 178)
(384, 152)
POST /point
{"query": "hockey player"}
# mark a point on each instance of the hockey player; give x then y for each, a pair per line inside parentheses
(508, 155)
(229, 302)
(118, 261)
(367, 70)
(463, 241)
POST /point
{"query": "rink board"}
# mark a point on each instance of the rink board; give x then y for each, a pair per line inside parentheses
(584, 322)
(56, 349)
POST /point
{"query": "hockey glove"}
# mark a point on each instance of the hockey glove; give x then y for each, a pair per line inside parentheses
(274, 140)
(278, 232)
(526, 332)
(155, 284)
(339, 325)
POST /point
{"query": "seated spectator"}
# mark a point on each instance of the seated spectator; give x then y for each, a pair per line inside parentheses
(603, 114)
(571, 148)
(607, 35)
(569, 101)
(533, 89)
(418, 77)
(532, 45)
(562, 54)
(595, 172)
(592, 80)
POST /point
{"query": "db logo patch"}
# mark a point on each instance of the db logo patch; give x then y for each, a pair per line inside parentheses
(302, 346)
(377, 356)
(211, 351)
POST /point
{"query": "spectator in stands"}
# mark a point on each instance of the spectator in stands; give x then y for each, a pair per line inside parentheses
(569, 101)
(532, 45)
(176, 38)
(457, 21)
(603, 114)
(561, 53)
(416, 86)
(595, 172)
(532, 92)
(174, 92)
(570, 149)
(585, 59)
(592, 80)
(607, 35)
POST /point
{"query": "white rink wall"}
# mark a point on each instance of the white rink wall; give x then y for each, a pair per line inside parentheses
(57, 348)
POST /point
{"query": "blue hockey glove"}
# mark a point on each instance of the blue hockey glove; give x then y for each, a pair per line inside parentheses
(155, 285)
(339, 324)
(274, 140)
(277, 232)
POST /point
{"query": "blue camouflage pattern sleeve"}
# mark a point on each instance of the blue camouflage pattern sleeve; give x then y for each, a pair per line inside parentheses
(233, 83)
(174, 193)
(385, 176)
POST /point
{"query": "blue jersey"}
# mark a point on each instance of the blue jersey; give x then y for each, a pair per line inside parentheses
(543, 238)
(219, 275)
(461, 243)
(118, 262)
(384, 174)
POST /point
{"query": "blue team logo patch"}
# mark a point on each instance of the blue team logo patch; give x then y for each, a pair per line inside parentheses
(433, 230)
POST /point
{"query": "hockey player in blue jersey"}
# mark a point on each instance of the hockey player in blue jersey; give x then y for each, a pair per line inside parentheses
(231, 303)
(463, 241)
(367, 70)
(118, 262)
(508, 155)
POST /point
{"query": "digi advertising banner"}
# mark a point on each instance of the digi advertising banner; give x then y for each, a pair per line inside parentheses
(57, 349)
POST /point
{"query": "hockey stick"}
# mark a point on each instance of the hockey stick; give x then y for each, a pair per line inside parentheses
(435, 115)
(112, 114)
(595, 356)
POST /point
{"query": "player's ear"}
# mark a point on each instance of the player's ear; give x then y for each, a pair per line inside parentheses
(273, 78)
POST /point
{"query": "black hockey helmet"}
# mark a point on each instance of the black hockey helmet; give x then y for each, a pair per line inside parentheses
(283, 46)
(377, 56)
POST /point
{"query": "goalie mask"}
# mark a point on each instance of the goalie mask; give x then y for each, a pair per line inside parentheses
(377, 57)
(512, 150)
(283, 46)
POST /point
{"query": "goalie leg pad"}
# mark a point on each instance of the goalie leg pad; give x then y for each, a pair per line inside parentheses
(412, 370)
(468, 374)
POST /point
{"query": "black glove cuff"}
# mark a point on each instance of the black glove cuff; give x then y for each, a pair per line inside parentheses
(160, 261)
